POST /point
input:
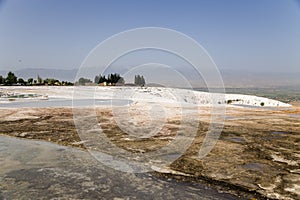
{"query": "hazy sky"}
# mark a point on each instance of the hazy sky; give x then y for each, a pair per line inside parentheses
(255, 35)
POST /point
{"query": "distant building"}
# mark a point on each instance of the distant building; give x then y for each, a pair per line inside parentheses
(103, 84)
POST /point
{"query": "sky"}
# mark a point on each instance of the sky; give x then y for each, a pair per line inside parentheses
(246, 35)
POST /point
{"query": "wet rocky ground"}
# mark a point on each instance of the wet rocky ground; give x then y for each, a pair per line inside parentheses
(256, 156)
(42, 170)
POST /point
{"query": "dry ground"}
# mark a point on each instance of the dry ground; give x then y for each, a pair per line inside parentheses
(259, 149)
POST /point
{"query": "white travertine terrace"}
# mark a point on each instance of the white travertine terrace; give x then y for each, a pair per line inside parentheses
(154, 94)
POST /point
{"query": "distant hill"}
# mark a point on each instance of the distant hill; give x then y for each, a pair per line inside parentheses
(231, 78)
(236, 78)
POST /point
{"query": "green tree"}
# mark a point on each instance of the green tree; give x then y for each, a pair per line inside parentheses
(30, 81)
(68, 83)
(97, 79)
(11, 79)
(121, 81)
(83, 81)
(113, 78)
(2, 80)
(102, 79)
(39, 80)
(50, 81)
(21, 81)
(143, 82)
(139, 80)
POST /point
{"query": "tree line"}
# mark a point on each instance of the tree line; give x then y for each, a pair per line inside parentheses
(12, 79)
(111, 80)
(139, 80)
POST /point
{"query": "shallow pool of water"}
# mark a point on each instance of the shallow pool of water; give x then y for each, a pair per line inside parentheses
(295, 115)
(279, 132)
(31, 167)
(262, 107)
(254, 166)
(65, 103)
(236, 139)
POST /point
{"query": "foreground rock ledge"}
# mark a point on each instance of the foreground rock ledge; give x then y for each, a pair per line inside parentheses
(258, 150)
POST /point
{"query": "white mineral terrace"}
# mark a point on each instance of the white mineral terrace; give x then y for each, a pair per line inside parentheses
(136, 94)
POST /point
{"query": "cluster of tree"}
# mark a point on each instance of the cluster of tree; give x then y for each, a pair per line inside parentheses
(139, 80)
(12, 79)
(112, 79)
(83, 81)
(52, 81)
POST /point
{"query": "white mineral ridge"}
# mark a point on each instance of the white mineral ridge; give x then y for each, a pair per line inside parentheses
(145, 94)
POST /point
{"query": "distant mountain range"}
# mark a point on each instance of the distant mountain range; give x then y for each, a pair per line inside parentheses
(231, 78)
(235, 78)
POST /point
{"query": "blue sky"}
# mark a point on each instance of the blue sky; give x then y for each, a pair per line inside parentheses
(252, 35)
